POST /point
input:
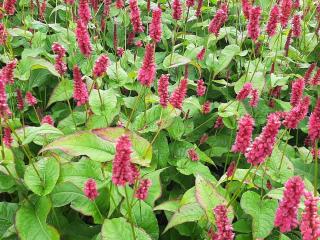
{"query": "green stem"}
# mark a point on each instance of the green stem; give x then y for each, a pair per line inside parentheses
(283, 152)
(130, 214)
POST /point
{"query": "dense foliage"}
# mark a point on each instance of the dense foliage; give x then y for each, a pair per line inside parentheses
(146, 120)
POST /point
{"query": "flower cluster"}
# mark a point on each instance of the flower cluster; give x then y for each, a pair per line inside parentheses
(163, 90)
(80, 92)
(244, 92)
(201, 88)
(314, 123)
(155, 29)
(286, 215)
(84, 11)
(297, 91)
(273, 21)
(254, 23)
(193, 155)
(176, 9)
(285, 11)
(135, 16)
(90, 189)
(244, 135)
(179, 94)
(297, 113)
(142, 192)
(147, 71)
(30, 99)
(217, 22)
(60, 52)
(224, 227)
(83, 39)
(100, 66)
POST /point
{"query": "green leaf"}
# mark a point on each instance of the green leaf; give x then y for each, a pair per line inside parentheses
(261, 211)
(142, 150)
(208, 197)
(42, 180)
(31, 222)
(225, 57)
(187, 213)
(45, 131)
(83, 143)
(63, 91)
(7, 213)
(104, 106)
(170, 206)
(175, 60)
(120, 229)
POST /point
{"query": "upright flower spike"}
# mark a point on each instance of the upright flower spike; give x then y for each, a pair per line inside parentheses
(263, 145)
(3, 34)
(7, 138)
(199, 8)
(231, 169)
(80, 92)
(254, 98)
(90, 189)
(297, 113)
(119, 4)
(206, 107)
(288, 43)
(244, 135)
(176, 10)
(100, 66)
(123, 170)
(155, 29)
(273, 21)
(201, 88)
(9, 6)
(7, 72)
(193, 155)
(84, 11)
(30, 99)
(310, 222)
(309, 72)
(316, 79)
(286, 215)
(20, 102)
(217, 22)
(95, 5)
(285, 11)
(42, 9)
(83, 39)
(190, 3)
(297, 91)
(179, 94)
(4, 108)
(135, 16)
(106, 7)
(147, 71)
(246, 7)
(200, 55)
(296, 4)
(163, 90)
(143, 190)
(254, 23)
(244, 92)
(314, 123)
(60, 52)
(47, 119)
(296, 26)
(218, 123)
(224, 227)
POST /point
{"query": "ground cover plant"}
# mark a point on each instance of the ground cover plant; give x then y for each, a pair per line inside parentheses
(145, 120)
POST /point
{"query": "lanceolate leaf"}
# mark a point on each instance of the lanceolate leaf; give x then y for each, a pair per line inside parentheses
(62, 92)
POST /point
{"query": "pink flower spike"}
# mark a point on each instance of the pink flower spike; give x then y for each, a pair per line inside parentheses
(246, 8)
(316, 79)
(163, 90)
(285, 11)
(190, 3)
(123, 171)
(308, 73)
(84, 11)
(7, 74)
(30, 99)
(310, 222)
(90, 189)
(155, 28)
(297, 113)
(179, 94)
(59, 65)
(218, 123)
(263, 145)
(48, 120)
(254, 23)
(244, 135)
(206, 107)
(297, 91)
(100, 66)
(83, 39)
(4, 108)
(201, 88)
(119, 4)
(273, 21)
(203, 139)
(217, 22)
(135, 16)
(9, 6)
(193, 155)
(231, 169)
(20, 102)
(201, 54)
(80, 92)
(7, 138)
(176, 10)
(3, 34)
(142, 191)
(244, 92)
(286, 215)
(254, 98)
(314, 123)
(147, 71)
(224, 227)
(296, 26)
(199, 8)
